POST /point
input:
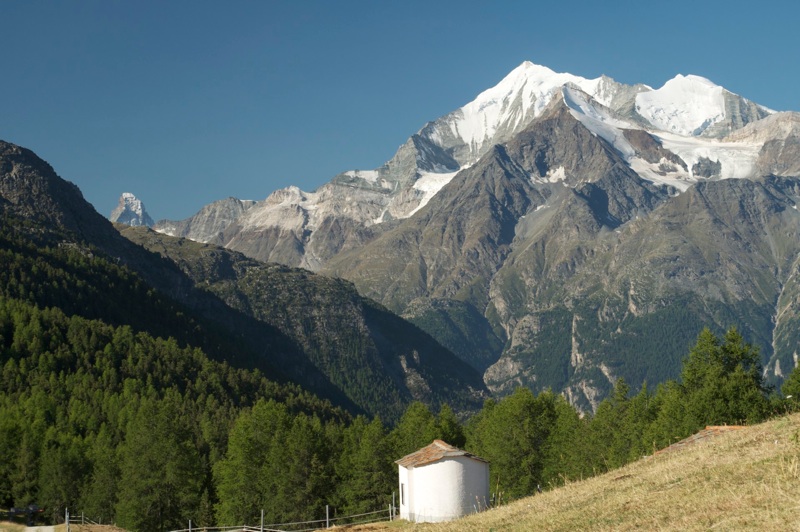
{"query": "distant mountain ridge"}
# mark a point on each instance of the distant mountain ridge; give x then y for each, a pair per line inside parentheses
(524, 212)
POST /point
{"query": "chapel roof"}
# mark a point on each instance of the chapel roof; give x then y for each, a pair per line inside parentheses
(433, 453)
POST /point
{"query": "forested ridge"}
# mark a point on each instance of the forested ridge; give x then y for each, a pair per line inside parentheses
(377, 360)
(289, 324)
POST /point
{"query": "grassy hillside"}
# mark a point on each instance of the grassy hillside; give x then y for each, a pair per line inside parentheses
(741, 480)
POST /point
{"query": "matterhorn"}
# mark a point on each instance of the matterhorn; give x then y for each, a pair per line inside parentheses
(130, 211)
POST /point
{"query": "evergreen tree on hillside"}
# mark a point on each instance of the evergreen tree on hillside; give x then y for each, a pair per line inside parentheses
(791, 387)
(63, 467)
(722, 381)
(619, 427)
(10, 438)
(609, 433)
(450, 429)
(100, 493)
(513, 435)
(161, 470)
(278, 462)
(568, 452)
(241, 485)
(641, 413)
(365, 469)
(416, 429)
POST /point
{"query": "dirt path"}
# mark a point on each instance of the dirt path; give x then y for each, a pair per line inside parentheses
(40, 529)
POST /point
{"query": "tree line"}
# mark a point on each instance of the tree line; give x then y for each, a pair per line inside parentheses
(149, 434)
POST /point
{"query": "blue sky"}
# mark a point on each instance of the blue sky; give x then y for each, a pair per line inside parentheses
(186, 102)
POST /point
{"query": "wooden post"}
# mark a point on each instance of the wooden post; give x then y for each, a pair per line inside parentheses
(190, 525)
(66, 517)
(262, 520)
(327, 516)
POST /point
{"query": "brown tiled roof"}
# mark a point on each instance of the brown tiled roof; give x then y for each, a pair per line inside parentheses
(433, 453)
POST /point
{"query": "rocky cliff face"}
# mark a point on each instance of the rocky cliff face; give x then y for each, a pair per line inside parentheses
(209, 223)
(562, 232)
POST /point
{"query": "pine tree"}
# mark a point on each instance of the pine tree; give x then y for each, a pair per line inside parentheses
(365, 470)
(449, 428)
(161, 470)
(722, 381)
(641, 413)
(240, 478)
(791, 388)
(63, 466)
(512, 435)
(10, 439)
(100, 495)
(299, 473)
(568, 452)
(611, 442)
(416, 429)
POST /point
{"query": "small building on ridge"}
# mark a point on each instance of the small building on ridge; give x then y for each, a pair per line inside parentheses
(440, 482)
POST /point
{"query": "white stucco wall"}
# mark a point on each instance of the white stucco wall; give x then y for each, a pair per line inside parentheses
(405, 503)
(444, 490)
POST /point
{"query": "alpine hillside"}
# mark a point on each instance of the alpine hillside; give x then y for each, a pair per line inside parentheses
(293, 326)
(561, 232)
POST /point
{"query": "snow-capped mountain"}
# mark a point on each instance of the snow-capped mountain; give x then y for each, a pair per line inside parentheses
(497, 114)
(687, 116)
(561, 232)
(130, 211)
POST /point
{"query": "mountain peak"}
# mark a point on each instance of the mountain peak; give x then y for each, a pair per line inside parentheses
(689, 105)
(130, 211)
(531, 68)
(691, 80)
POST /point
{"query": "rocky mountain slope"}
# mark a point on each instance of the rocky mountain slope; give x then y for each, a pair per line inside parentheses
(562, 232)
(289, 324)
(380, 361)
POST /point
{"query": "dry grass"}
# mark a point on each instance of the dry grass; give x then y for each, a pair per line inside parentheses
(741, 480)
(6, 526)
(13, 527)
(95, 528)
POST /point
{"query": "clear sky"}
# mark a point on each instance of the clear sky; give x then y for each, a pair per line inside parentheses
(186, 102)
